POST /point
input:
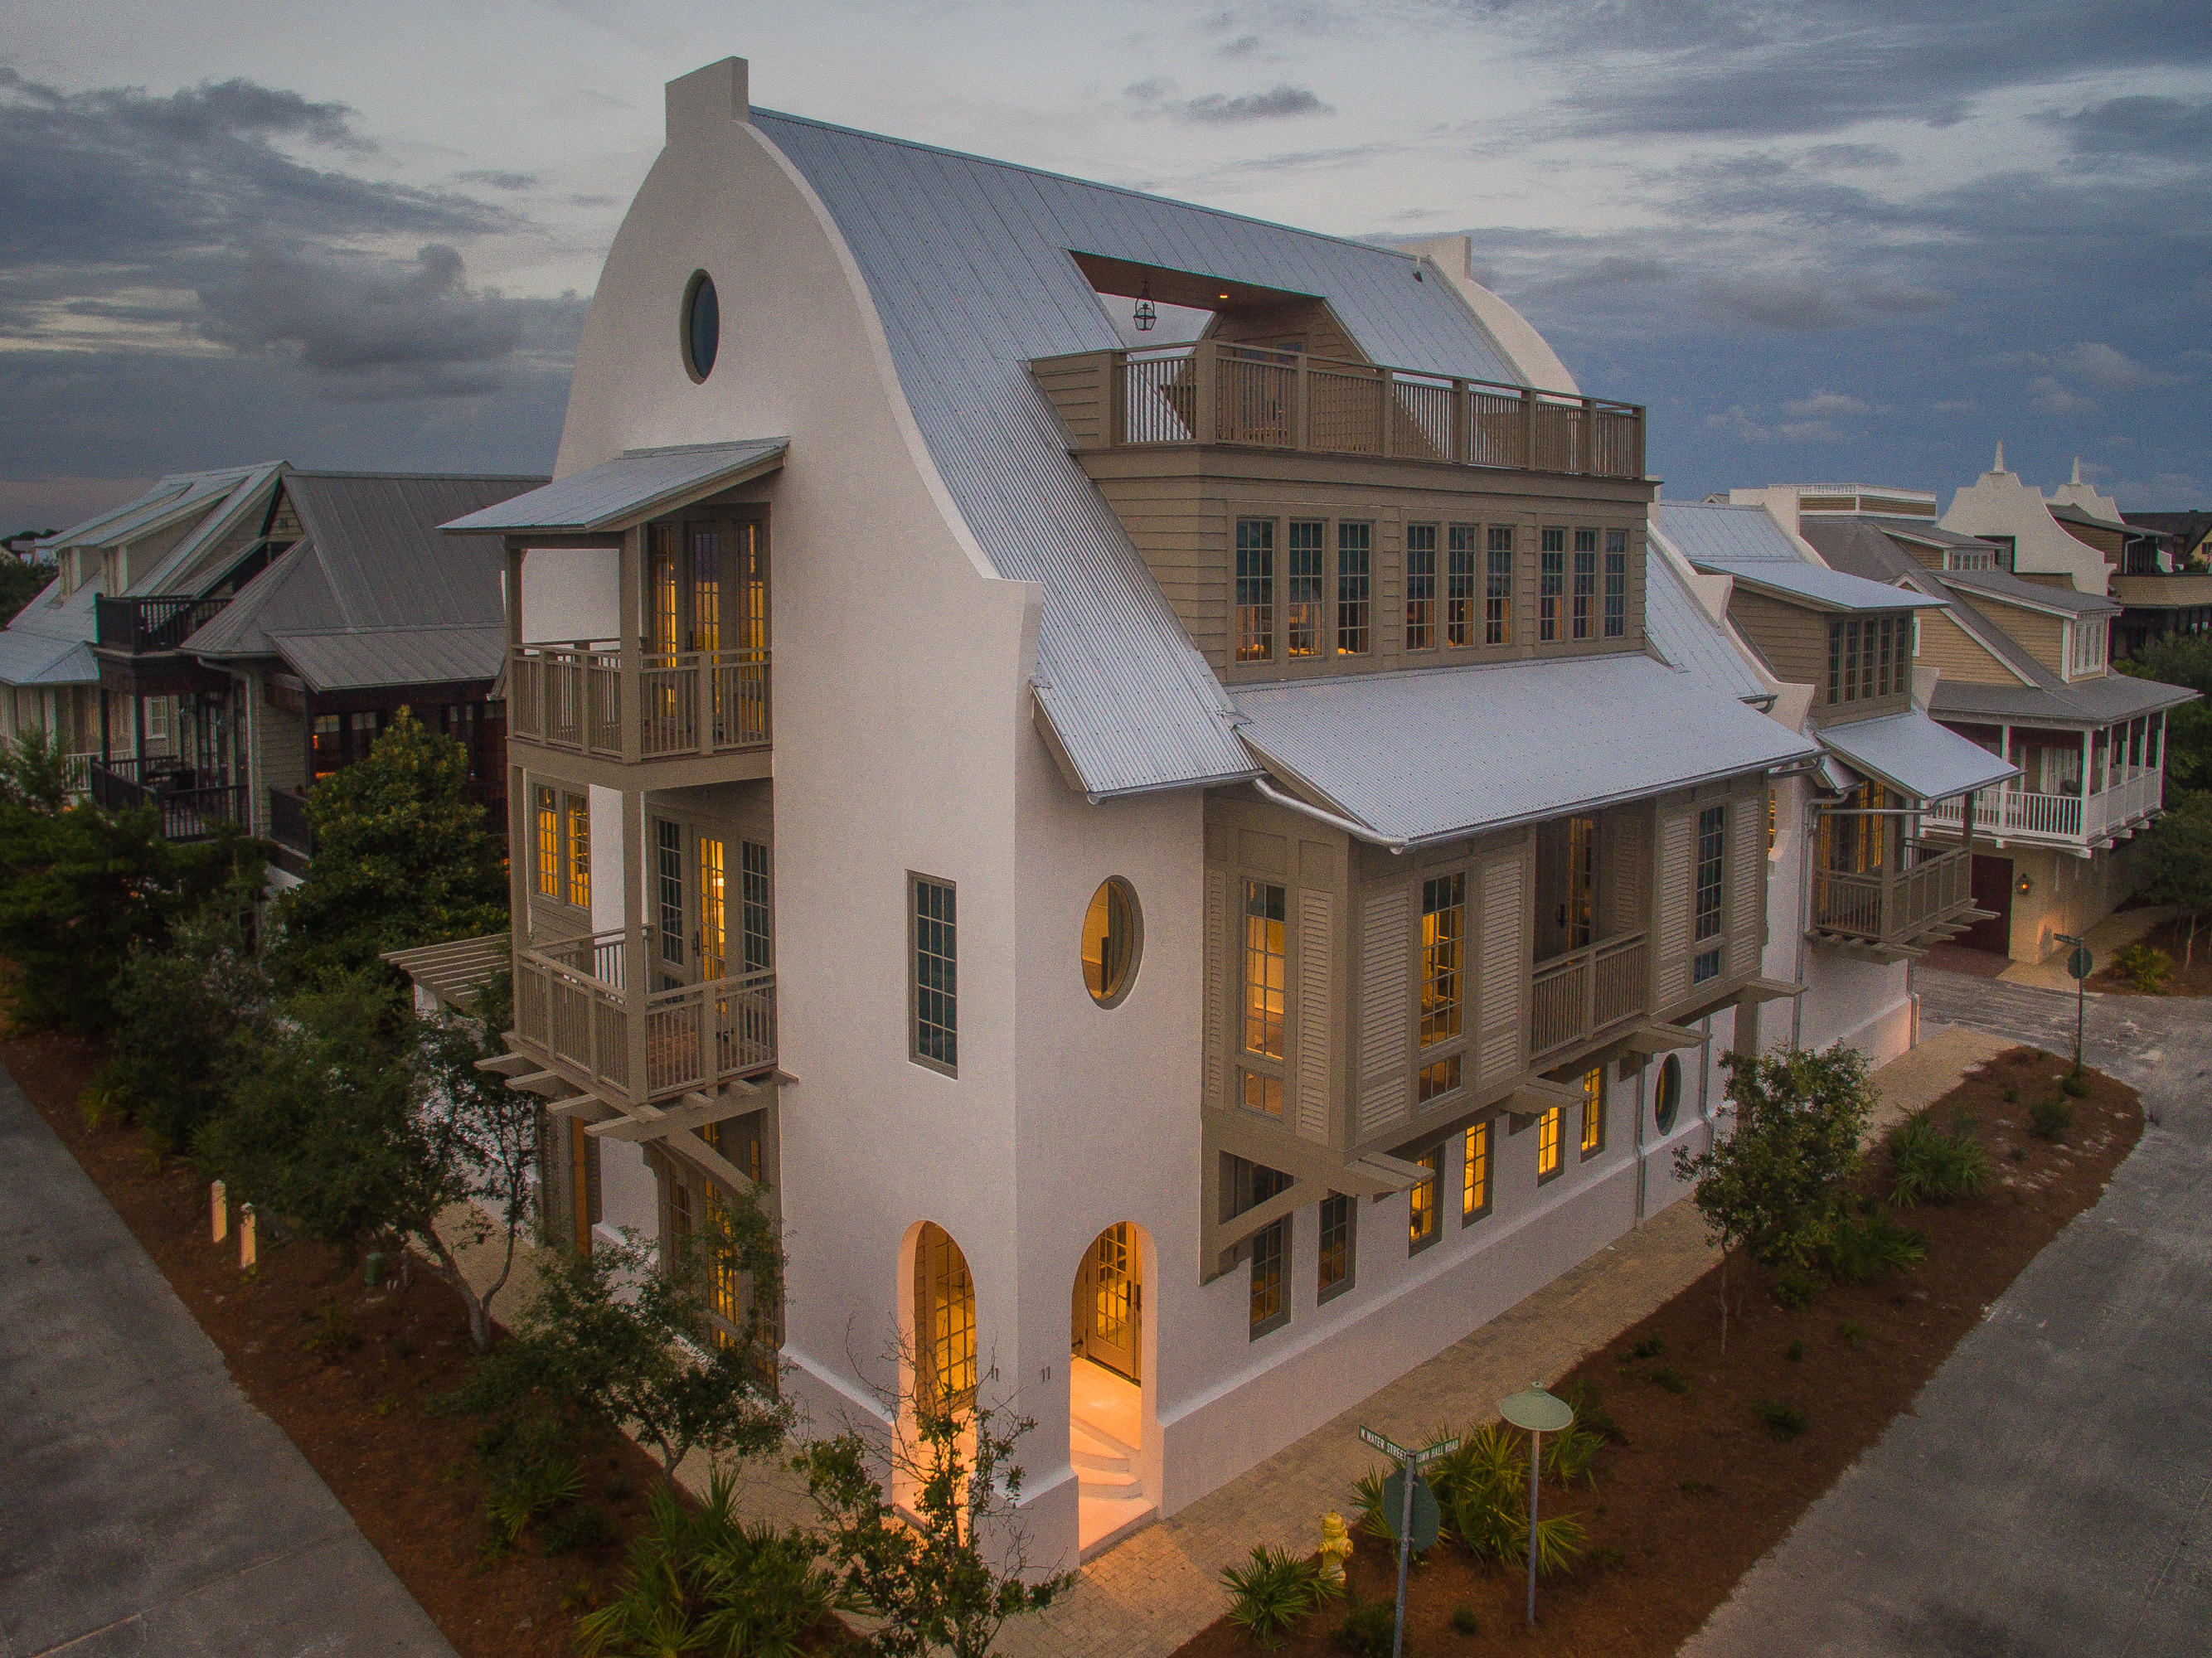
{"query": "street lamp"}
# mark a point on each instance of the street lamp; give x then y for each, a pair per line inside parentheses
(1541, 1413)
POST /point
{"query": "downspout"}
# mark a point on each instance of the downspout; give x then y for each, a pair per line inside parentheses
(1358, 831)
(1641, 1105)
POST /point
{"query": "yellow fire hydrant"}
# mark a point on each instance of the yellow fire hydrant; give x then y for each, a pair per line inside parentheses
(1335, 1547)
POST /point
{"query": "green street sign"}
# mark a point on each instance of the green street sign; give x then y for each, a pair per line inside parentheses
(1422, 1457)
(2081, 963)
(1426, 1516)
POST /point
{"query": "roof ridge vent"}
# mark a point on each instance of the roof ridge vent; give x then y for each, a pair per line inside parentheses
(701, 101)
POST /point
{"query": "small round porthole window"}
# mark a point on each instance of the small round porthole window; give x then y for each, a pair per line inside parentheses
(1669, 1104)
(1113, 939)
(702, 326)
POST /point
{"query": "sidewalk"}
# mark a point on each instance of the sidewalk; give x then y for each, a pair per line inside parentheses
(145, 1505)
(2106, 939)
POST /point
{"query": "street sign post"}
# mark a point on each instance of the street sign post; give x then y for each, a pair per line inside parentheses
(1541, 1413)
(1416, 1505)
(2080, 964)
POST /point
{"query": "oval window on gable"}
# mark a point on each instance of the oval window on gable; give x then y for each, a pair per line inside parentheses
(702, 326)
(1668, 1104)
(1113, 939)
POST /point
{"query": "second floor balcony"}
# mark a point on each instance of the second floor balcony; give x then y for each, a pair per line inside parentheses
(1585, 992)
(599, 700)
(194, 804)
(1893, 911)
(153, 624)
(2057, 819)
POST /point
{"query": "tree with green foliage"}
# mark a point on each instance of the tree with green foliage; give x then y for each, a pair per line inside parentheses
(20, 583)
(2176, 864)
(2184, 659)
(403, 858)
(1773, 1187)
(34, 773)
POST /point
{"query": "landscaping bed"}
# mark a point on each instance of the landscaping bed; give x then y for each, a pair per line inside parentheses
(2171, 937)
(1698, 1485)
(349, 1373)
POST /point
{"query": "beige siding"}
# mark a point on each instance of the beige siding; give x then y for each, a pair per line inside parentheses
(1793, 639)
(1308, 326)
(1501, 992)
(2043, 637)
(1386, 1038)
(1081, 388)
(1316, 926)
(1944, 645)
(1677, 856)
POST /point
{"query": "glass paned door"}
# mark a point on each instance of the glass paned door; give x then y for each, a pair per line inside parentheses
(1109, 1301)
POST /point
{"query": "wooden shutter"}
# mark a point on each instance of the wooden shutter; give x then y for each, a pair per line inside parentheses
(1502, 968)
(1316, 980)
(1678, 851)
(1747, 886)
(1218, 993)
(1625, 857)
(1386, 1011)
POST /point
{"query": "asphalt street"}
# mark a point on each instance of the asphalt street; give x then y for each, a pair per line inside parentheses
(146, 1507)
(2051, 1491)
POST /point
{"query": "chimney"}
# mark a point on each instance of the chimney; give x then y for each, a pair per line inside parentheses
(705, 98)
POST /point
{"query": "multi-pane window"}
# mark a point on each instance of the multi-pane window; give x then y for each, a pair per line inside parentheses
(752, 905)
(1547, 1144)
(1585, 594)
(1616, 583)
(1267, 979)
(1551, 583)
(1593, 1137)
(1271, 1249)
(1421, 1202)
(577, 814)
(1712, 839)
(936, 978)
(1354, 548)
(1421, 586)
(668, 888)
(1582, 880)
(1256, 590)
(1474, 1173)
(1835, 662)
(548, 835)
(944, 1319)
(1307, 578)
(1339, 1215)
(1868, 657)
(1459, 589)
(1498, 588)
(1444, 933)
(714, 907)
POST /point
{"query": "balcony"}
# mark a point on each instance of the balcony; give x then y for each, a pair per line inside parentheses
(1577, 996)
(2064, 820)
(191, 808)
(574, 1010)
(1894, 912)
(1216, 393)
(150, 626)
(573, 698)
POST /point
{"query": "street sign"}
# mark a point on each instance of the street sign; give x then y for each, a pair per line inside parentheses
(2081, 963)
(1397, 1453)
(1426, 1516)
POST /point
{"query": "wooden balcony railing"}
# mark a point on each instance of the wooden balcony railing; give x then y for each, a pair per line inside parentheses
(2020, 815)
(691, 702)
(1213, 392)
(1893, 906)
(158, 622)
(1575, 996)
(192, 807)
(572, 1003)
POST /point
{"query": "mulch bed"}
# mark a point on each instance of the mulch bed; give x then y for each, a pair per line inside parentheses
(407, 1474)
(1697, 1489)
(2172, 937)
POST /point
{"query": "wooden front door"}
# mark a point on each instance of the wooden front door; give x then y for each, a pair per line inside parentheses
(1992, 884)
(1109, 1301)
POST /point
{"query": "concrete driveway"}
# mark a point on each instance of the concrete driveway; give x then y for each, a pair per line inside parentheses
(145, 1506)
(2051, 1491)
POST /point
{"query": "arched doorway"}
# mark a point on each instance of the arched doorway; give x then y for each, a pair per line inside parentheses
(1106, 1394)
(944, 1319)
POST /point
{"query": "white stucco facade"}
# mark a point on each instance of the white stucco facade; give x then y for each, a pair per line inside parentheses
(2003, 504)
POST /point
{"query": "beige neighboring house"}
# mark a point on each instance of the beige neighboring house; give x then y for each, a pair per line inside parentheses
(1186, 868)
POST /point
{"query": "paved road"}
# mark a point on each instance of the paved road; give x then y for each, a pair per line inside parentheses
(145, 1507)
(2052, 1492)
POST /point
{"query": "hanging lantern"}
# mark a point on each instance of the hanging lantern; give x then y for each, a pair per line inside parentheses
(1146, 316)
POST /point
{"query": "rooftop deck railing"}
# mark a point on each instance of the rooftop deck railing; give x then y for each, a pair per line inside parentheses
(158, 622)
(688, 702)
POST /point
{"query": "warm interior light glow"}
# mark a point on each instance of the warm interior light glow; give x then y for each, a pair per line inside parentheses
(1110, 942)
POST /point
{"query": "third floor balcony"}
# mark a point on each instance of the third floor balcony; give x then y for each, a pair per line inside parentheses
(633, 705)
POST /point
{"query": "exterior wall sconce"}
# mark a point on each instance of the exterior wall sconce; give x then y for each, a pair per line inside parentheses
(1145, 316)
(2026, 886)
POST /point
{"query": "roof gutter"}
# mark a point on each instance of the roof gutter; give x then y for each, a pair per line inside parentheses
(1358, 831)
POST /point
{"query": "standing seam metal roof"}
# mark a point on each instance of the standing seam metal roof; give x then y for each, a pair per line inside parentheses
(1678, 627)
(616, 493)
(968, 263)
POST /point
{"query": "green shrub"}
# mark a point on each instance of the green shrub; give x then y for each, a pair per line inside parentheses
(1482, 1486)
(2051, 1118)
(1795, 1354)
(1779, 1418)
(2074, 1084)
(1672, 1380)
(582, 1527)
(1865, 1247)
(533, 1474)
(1851, 1331)
(1649, 1347)
(1568, 1456)
(2012, 1094)
(1463, 1620)
(1793, 1289)
(1367, 1498)
(2145, 967)
(1608, 1559)
(1590, 1412)
(1930, 1165)
(1272, 1591)
(1367, 1629)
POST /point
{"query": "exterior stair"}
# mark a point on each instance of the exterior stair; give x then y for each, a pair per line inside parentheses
(1112, 1502)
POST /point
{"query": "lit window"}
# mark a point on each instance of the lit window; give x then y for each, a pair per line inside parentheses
(1547, 1144)
(1354, 541)
(1256, 590)
(714, 907)
(1498, 588)
(1616, 583)
(1585, 594)
(668, 883)
(1459, 589)
(549, 845)
(1111, 939)
(936, 974)
(1593, 1140)
(1438, 1077)
(1474, 1174)
(1421, 1202)
(1271, 1247)
(1443, 931)
(753, 905)
(1307, 576)
(1266, 970)
(1421, 586)
(944, 1320)
(1551, 584)
(1262, 1093)
(579, 815)
(1711, 841)
(1339, 1215)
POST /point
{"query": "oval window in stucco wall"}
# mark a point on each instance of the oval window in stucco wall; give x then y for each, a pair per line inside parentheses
(702, 326)
(1668, 1104)
(1113, 939)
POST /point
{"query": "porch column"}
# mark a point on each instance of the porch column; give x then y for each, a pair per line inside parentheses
(637, 972)
(629, 582)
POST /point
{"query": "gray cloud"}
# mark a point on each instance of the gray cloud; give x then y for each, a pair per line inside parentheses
(2109, 369)
(2169, 129)
(1277, 101)
(492, 179)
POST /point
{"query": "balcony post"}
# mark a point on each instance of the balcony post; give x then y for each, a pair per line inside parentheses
(1300, 409)
(1588, 445)
(630, 584)
(1205, 389)
(1528, 428)
(703, 709)
(518, 863)
(636, 974)
(1115, 397)
(1462, 426)
(1387, 442)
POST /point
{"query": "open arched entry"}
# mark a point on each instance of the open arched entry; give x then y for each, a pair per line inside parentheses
(1106, 1386)
(944, 1319)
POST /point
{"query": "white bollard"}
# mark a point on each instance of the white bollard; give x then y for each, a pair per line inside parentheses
(219, 1212)
(246, 1253)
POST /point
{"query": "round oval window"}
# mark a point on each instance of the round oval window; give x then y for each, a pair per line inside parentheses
(1113, 939)
(1669, 1101)
(702, 326)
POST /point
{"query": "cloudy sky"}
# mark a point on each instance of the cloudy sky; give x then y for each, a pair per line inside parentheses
(1823, 241)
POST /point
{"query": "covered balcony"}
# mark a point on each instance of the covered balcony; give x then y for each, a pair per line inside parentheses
(195, 803)
(154, 624)
(1584, 993)
(2082, 790)
(575, 697)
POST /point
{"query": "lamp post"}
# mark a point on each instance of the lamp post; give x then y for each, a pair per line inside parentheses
(1541, 1413)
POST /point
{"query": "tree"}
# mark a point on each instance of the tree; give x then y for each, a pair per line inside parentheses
(2183, 660)
(402, 858)
(949, 1579)
(35, 772)
(2176, 861)
(21, 581)
(1773, 1187)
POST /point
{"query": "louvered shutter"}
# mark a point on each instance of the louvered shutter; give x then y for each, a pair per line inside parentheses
(1219, 991)
(1678, 846)
(1748, 884)
(1626, 858)
(1502, 966)
(1386, 1034)
(1316, 964)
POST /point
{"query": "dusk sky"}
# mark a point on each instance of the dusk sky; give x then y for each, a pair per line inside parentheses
(1823, 241)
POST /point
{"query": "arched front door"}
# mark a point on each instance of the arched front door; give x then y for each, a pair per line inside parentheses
(1106, 1318)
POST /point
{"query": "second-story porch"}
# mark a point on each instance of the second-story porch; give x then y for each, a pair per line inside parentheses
(2081, 790)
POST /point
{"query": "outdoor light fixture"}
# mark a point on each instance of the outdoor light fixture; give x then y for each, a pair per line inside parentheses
(1146, 316)
(2025, 886)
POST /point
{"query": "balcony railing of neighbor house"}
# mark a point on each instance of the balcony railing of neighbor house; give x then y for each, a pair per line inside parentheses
(1574, 996)
(1213, 392)
(573, 1002)
(289, 825)
(191, 810)
(1895, 905)
(570, 696)
(2011, 814)
(159, 622)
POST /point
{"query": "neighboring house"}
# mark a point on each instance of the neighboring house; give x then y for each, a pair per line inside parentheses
(2190, 535)
(2170, 604)
(1863, 890)
(1183, 870)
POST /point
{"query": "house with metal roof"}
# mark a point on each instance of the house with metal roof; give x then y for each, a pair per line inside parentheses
(1127, 766)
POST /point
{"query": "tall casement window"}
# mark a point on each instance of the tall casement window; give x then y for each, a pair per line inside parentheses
(1498, 588)
(1712, 841)
(935, 990)
(1308, 576)
(713, 906)
(1354, 548)
(753, 905)
(1547, 1145)
(1339, 1215)
(1856, 844)
(1443, 941)
(1459, 584)
(1421, 1202)
(1868, 657)
(561, 846)
(1585, 595)
(1593, 1136)
(1271, 1257)
(1551, 583)
(547, 830)
(668, 888)
(1421, 586)
(1256, 590)
(1267, 980)
(944, 1320)
(1474, 1174)
(1616, 583)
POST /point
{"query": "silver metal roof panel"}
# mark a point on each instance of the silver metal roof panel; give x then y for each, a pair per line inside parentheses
(1676, 626)
(2006, 587)
(1707, 530)
(632, 487)
(1913, 755)
(395, 656)
(2084, 703)
(1823, 589)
